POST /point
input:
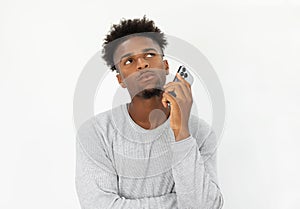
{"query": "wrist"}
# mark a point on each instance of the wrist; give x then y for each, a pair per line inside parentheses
(181, 134)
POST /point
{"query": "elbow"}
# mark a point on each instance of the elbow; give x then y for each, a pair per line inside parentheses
(219, 201)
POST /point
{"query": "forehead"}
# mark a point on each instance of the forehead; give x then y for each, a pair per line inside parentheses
(135, 45)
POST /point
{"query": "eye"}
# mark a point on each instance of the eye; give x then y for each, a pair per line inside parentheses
(128, 61)
(150, 54)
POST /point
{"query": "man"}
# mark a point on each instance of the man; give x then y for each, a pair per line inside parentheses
(150, 153)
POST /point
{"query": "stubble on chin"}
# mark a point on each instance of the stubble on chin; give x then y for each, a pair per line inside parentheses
(149, 93)
(146, 90)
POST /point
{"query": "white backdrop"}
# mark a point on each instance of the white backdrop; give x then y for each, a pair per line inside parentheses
(253, 46)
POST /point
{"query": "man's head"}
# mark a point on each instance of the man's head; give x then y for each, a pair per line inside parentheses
(126, 29)
(134, 48)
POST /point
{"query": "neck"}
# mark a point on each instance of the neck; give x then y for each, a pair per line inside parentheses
(148, 113)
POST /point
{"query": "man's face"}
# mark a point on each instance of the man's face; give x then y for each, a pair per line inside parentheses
(139, 61)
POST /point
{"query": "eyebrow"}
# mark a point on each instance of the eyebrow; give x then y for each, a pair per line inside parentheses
(143, 51)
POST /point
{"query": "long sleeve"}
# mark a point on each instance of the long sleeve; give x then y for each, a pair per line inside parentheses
(175, 175)
(194, 172)
(97, 181)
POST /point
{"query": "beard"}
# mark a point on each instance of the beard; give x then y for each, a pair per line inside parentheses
(146, 89)
(150, 93)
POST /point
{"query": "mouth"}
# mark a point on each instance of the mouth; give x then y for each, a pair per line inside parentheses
(145, 76)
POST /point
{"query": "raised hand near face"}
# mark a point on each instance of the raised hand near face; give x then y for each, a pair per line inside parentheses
(180, 105)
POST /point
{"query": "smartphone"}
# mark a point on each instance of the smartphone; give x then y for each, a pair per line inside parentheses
(183, 72)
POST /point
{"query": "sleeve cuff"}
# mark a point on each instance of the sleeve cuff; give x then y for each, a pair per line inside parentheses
(181, 149)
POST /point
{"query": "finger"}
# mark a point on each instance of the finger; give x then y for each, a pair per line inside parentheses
(170, 88)
(185, 86)
(179, 92)
(181, 82)
(170, 84)
(169, 98)
(181, 79)
(180, 89)
(164, 101)
(186, 91)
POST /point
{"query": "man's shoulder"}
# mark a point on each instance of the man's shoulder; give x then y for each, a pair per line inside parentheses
(96, 133)
(100, 124)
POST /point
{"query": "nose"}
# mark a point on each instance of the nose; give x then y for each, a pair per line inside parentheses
(142, 63)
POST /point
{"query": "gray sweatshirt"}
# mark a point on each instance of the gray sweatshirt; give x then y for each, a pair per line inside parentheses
(121, 165)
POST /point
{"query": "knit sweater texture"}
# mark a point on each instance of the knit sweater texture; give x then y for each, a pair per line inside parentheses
(122, 165)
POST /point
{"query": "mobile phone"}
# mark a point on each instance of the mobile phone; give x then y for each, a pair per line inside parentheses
(184, 72)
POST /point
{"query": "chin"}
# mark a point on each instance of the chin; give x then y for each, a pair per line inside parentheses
(150, 93)
(147, 91)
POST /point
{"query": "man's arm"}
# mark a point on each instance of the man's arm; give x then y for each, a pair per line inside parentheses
(194, 173)
(194, 169)
(97, 181)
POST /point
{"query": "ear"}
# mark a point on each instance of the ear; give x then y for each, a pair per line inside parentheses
(120, 80)
(166, 65)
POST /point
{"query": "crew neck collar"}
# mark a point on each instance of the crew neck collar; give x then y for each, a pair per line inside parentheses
(132, 131)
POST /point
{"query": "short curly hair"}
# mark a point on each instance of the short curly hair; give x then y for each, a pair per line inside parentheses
(128, 28)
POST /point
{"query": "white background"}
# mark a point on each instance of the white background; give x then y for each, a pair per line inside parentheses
(253, 46)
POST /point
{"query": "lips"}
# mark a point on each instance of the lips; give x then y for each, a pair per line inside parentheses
(146, 76)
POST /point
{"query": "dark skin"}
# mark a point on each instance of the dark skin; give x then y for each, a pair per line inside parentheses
(140, 110)
(142, 68)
